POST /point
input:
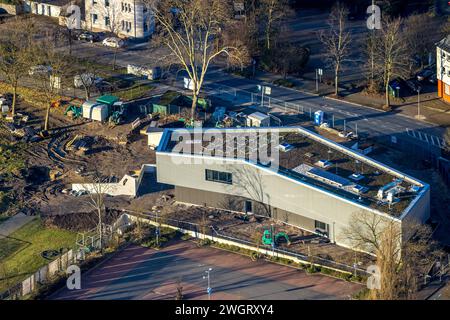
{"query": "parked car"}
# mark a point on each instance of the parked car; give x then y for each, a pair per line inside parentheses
(90, 37)
(39, 69)
(413, 85)
(424, 74)
(113, 42)
(433, 78)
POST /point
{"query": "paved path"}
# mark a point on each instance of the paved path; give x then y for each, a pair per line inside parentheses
(139, 273)
(14, 223)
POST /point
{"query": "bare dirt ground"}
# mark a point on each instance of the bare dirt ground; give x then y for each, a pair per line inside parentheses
(36, 190)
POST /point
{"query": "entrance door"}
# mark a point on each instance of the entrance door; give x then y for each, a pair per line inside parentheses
(248, 206)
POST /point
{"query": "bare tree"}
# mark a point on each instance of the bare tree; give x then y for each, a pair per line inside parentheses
(271, 13)
(88, 71)
(97, 192)
(336, 41)
(192, 32)
(15, 54)
(400, 261)
(179, 295)
(113, 16)
(391, 57)
(51, 68)
(421, 33)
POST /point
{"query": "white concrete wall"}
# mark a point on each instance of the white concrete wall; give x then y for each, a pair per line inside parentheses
(128, 186)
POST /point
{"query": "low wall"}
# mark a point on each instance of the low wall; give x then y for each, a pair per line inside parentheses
(127, 186)
(11, 8)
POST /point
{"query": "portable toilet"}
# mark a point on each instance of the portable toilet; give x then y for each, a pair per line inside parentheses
(318, 117)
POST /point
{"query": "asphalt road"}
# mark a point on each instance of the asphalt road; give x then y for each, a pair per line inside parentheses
(139, 273)
(372, 121)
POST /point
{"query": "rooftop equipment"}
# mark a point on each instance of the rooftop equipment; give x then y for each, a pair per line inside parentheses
(285, 147)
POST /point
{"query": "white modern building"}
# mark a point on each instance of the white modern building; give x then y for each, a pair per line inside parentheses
(127, 18)
(310, 182)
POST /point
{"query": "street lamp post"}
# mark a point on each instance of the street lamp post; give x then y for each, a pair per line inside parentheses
(208, 290)
(418, 103)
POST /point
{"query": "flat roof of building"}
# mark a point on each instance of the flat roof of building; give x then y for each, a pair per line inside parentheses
(301, 162)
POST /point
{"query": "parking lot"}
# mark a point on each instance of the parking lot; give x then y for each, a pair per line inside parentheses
(139, 273)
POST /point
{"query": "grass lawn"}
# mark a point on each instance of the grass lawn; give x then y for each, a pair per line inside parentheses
(20, 253)
(137, 91)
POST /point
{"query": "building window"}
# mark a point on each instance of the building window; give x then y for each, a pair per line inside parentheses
(94, 18)
(49, 10)
(218, 176)
(94, 2)
(106, 3)
(320, 225)
(107, 21)
(42, 9)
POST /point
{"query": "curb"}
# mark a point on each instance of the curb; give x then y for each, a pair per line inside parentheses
(337, 100)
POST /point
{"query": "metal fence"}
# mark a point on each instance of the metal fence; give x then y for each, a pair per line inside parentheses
(422, 144)
(197, 229)
(44, 275)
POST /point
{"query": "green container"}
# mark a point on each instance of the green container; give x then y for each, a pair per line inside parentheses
(108, 99)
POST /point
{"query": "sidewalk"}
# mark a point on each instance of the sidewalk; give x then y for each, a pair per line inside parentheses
(434, 110)
(14, 223)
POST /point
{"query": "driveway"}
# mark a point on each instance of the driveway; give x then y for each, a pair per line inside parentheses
(139, 273)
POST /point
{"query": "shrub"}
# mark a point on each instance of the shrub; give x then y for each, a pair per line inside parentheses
(284, 83)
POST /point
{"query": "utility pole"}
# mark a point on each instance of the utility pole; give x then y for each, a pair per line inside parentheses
(317, 80)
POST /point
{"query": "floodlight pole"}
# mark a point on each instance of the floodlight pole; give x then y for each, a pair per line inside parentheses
(208, 272)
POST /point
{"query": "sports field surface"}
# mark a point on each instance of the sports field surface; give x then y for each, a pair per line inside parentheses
(139, 273)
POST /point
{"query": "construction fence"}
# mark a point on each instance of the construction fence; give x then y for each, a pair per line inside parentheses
(45, 275)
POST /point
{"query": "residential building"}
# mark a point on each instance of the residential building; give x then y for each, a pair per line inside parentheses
(443, 68)
(126, 18)
(316, 184)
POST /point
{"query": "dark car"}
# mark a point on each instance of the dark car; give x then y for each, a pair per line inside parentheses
(424, 74)
(90, 37)
(413, 85)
